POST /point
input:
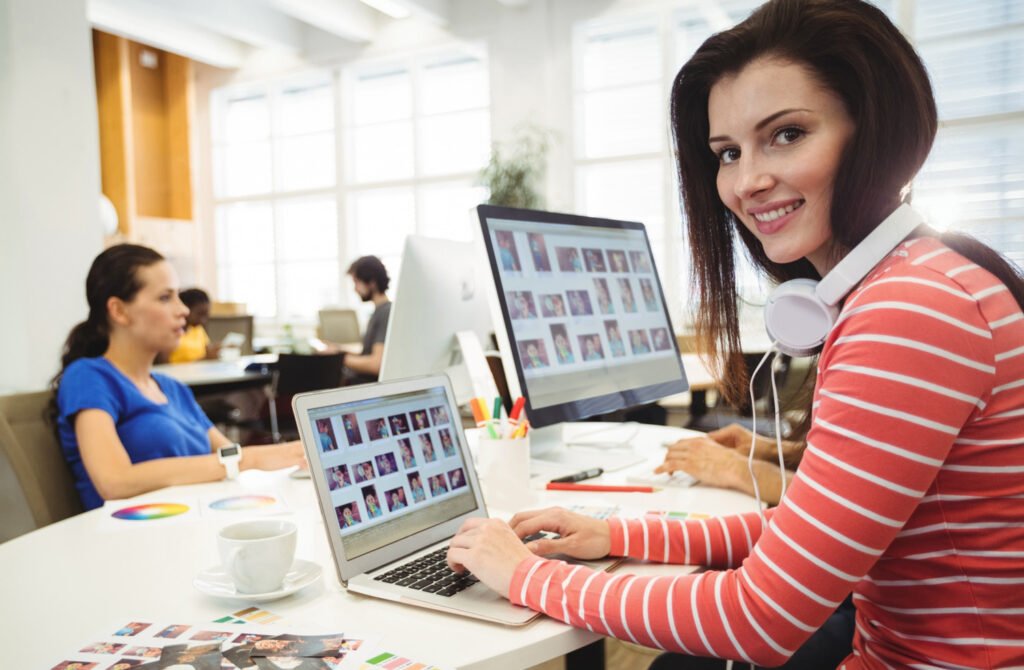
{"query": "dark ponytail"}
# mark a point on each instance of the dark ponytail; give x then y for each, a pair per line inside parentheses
(114, 274)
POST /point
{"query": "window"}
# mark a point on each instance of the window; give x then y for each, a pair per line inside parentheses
(624, 167)
(624, 67)
(275, 197)
(973, 179)
(417, 133)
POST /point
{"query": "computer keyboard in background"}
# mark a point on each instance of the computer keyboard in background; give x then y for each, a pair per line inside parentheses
(678, 479)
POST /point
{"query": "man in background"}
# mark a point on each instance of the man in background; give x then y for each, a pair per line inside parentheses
(371, 281)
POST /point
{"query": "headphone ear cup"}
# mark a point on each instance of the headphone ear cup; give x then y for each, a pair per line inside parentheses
(797, 320)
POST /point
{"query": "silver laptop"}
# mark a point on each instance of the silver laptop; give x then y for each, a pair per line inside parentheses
(395, 481)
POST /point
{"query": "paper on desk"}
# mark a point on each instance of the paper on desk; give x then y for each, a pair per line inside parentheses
(143, 643)
(242, 504)
(388, 661)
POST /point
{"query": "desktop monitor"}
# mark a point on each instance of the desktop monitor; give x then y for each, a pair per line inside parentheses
(440, 294)
(585, 320)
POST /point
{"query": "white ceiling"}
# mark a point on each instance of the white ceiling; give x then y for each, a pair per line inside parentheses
(225, 32)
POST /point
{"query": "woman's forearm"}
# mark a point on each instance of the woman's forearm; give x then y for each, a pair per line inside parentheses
(139, 478)
(769, 479)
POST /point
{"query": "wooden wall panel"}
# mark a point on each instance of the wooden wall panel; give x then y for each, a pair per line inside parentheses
(113, 96)
(145, 130)
(149, 117)
(179, 93)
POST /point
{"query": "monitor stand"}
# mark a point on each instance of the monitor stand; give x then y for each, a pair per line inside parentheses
(468, 370)
(551, 449)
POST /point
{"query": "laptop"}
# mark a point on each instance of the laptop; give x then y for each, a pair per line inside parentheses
(395, 481)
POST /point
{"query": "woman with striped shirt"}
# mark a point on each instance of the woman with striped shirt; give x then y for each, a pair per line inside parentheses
(801, 129)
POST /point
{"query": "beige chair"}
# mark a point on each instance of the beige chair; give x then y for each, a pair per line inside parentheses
(219, 326)
(29, 445)
(340, 326)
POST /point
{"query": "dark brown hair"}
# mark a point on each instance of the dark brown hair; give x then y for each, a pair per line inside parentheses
(852, 49)
(371, 270)
(113, 274)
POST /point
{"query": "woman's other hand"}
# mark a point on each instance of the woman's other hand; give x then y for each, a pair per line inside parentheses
(274, 456)
(707, 461)
(581, 536)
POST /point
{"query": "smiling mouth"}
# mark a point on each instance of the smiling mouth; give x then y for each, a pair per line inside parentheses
(768, 217)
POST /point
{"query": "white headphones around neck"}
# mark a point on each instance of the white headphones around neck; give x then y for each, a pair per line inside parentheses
(801, 312)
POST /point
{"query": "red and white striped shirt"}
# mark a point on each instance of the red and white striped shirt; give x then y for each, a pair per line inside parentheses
(909, 495)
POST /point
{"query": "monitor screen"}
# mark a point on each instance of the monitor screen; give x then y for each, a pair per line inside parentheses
(584, 312)
(394, 465)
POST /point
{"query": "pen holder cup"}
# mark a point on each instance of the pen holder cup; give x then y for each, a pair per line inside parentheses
(504, 470)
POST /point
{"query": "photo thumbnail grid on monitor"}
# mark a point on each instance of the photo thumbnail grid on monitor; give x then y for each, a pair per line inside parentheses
(584, 308)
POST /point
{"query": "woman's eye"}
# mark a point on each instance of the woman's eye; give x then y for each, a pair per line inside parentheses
(728, 155)
(788, 135)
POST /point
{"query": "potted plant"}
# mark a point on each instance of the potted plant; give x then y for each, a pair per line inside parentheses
(515, 170)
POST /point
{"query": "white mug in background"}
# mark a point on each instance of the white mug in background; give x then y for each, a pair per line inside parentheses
(504, 470)
(257, 554)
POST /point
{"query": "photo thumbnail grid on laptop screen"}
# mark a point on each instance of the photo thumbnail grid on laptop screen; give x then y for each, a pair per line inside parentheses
(394, 466)
(586, 309)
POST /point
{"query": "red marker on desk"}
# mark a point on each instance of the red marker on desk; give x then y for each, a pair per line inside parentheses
(513, 418)
(517, 408)
(559, 486)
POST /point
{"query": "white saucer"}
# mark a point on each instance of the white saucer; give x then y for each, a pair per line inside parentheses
(215, 582)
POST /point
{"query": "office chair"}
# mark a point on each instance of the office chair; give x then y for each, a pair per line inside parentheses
(45, 489)
(299, 373)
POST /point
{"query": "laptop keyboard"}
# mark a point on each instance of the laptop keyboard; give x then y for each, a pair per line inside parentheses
(430, 573)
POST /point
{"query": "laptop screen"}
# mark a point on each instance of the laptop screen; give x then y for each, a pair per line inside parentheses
(395, 466)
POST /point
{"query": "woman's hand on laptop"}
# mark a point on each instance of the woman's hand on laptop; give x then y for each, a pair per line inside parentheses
(490, 550)
(581, 536)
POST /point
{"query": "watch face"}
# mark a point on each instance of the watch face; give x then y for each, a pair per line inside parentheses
(231, 450)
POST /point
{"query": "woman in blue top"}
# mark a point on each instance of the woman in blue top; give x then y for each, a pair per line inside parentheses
(124, 429)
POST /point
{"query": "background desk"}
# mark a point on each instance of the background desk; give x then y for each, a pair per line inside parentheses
(66, 583)
(200, 374)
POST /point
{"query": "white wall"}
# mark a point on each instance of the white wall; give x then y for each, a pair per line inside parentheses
(49, 183)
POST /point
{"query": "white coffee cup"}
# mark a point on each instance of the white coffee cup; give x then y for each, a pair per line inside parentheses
(257, 554)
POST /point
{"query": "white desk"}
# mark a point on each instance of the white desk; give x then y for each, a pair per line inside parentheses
(66, 583)
(208, 373)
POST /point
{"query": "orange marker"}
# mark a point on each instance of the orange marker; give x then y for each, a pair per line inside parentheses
(478, 412)
(480, 416)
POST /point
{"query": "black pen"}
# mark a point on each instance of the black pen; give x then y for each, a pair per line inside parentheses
(579, 476)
